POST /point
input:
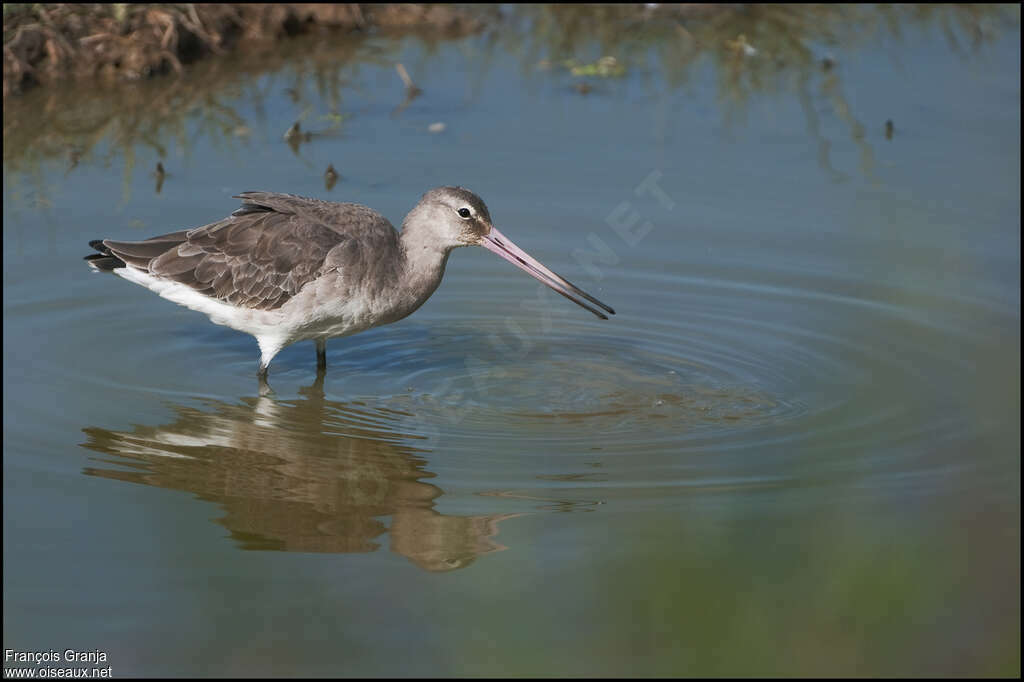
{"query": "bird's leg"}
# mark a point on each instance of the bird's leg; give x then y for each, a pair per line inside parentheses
(269, 346)
(321, 355)
(265, 390)
(261, 374)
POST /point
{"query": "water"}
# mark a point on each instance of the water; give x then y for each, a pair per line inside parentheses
(795, 450)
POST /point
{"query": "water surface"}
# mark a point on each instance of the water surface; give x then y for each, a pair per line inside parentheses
(795, 450)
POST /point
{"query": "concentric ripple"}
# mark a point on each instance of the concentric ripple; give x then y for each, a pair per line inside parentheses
(691, 364)
(725, 361)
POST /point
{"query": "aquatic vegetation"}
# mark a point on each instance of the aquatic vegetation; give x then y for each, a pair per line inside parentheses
(45, 42)
(605, 67)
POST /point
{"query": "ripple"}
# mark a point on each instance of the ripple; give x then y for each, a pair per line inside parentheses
(722, 360)
(732, 366)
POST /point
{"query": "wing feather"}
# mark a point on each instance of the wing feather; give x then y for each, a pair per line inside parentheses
(265, 252)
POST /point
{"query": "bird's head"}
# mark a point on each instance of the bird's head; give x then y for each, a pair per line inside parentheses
(452, 217)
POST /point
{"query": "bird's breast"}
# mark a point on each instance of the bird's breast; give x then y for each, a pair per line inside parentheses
(332, 306)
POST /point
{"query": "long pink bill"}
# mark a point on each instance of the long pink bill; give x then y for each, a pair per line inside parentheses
(503, 246)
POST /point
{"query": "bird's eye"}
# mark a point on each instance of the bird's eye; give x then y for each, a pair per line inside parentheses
(464, 212)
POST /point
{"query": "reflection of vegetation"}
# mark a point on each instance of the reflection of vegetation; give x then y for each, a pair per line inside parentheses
(858, 596)
(780, 36)
(753, 50)
(50, 123)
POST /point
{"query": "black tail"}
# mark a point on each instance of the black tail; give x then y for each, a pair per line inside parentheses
(105, 260)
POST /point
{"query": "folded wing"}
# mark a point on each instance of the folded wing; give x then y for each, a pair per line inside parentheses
(258, 258)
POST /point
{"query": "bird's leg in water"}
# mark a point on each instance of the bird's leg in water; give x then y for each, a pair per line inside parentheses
(321, 355)
(264, 389)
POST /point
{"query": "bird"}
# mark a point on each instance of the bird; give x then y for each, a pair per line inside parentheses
(286, 268)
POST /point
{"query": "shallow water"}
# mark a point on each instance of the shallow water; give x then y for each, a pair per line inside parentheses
(797, 444)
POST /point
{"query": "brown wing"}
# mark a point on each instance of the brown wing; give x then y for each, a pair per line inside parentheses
(261, 255)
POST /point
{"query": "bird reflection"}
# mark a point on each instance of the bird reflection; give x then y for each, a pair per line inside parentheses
(303, 475)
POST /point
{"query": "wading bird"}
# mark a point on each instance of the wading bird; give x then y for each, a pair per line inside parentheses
(286, 268)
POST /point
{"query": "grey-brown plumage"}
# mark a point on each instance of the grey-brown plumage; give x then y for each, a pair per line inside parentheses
(286, 268)
(266, 251)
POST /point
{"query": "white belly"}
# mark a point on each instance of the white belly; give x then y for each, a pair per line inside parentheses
(316, 312)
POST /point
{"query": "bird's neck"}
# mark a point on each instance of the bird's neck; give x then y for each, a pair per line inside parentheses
(423, 264)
